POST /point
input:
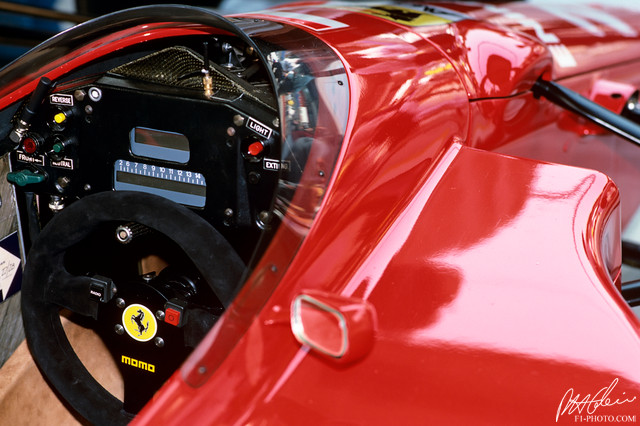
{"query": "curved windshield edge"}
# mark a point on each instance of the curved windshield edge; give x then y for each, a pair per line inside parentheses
(313, 94)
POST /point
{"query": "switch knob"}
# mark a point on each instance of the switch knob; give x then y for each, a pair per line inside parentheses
(25, 177)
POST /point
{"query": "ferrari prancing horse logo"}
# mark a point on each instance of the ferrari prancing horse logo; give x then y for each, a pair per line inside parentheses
(139, 322)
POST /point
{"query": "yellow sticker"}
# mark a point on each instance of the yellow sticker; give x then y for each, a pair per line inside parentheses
(405, 16)
(139, 322)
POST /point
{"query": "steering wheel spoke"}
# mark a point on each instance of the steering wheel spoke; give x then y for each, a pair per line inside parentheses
(79, 294)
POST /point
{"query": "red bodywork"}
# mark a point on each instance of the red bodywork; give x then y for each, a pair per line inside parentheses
(486, 272)
(477, 267)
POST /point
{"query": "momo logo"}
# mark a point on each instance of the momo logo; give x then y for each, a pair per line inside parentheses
(138, 364)
(139, 322)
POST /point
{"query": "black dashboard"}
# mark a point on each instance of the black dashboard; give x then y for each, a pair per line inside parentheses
(206, 137)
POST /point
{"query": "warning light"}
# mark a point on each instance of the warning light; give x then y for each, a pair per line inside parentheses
(255, 148)
(29, 145)
(60, 118)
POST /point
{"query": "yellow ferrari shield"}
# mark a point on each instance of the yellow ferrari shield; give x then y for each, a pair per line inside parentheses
(405, 16)
(139, 322)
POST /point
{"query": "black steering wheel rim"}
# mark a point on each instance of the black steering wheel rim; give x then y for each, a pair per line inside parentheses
(42, 297)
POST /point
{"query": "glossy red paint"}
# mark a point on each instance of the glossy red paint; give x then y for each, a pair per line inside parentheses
(612, 95)
(581, 37)
(478, 278)
(447, 314)
(552, 140)
(490, 275)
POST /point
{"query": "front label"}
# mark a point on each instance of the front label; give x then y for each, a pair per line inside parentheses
(38, 159)
(139, 322)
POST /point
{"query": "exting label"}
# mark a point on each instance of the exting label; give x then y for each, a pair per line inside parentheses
(275, 165)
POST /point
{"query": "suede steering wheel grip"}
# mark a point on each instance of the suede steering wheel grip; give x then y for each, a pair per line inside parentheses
(47, 286)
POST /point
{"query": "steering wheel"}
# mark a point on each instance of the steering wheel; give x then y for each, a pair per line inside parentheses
(148, 323)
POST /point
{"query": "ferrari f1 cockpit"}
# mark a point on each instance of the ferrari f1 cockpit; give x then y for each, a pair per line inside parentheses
(323, 210)
(154, 162)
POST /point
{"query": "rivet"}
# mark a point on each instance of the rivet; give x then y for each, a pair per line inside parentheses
(79, 95)
(254, 178)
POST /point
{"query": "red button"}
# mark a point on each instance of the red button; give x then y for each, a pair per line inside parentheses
(29, 145)
(255, 148)
(171, 316)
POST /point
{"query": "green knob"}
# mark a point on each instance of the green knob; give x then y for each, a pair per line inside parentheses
(24, 177)
(58, 147)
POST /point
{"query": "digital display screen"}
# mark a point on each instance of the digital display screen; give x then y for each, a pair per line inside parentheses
(159, 145)
(181, 186)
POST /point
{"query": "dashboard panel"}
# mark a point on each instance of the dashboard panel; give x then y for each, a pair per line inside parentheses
(149, 125)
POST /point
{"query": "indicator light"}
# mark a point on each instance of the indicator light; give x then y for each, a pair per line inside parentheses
(60, 118)
(255, 148)
(58, 147)
(30, 145)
